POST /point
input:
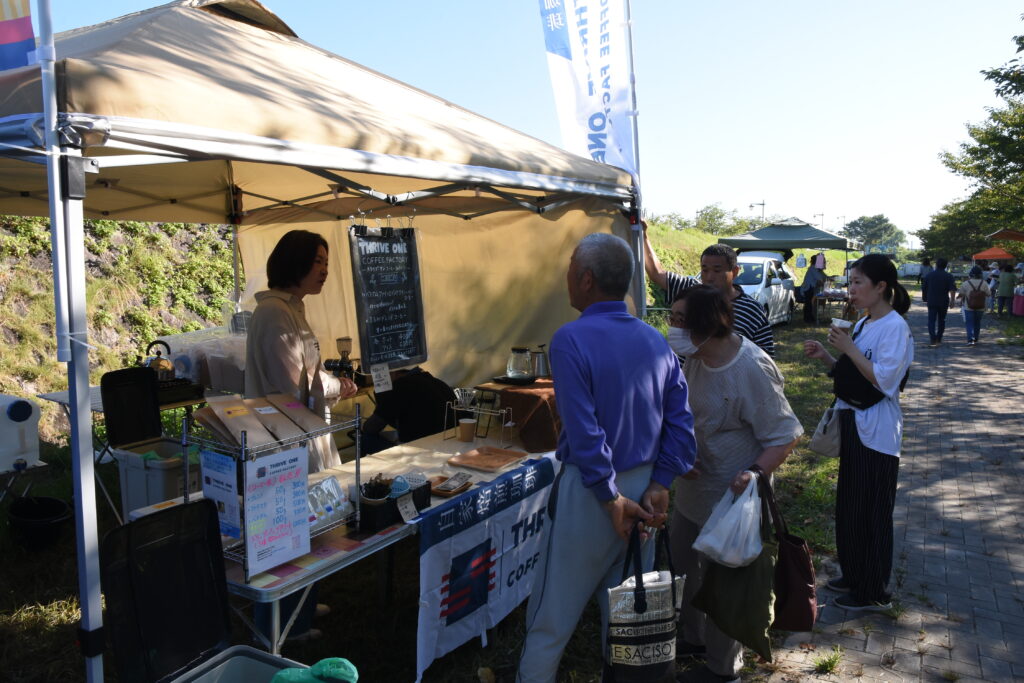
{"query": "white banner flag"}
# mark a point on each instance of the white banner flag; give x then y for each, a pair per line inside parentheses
(588, 50)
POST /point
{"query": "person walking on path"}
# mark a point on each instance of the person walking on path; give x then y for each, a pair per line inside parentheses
(926, 268)
(879, 350)
(993, 284)
(938, 290)
(973, 294)
(627, 433)
(1007, 281)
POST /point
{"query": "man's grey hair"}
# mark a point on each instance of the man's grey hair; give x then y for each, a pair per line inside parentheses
(610, 260)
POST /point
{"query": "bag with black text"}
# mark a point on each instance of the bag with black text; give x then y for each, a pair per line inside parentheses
(642, 617)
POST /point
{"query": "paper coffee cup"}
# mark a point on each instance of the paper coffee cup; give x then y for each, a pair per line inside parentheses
(841, 324)
(467, 428)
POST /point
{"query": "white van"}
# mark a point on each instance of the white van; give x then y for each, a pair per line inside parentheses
(908, 270)
(765, 277)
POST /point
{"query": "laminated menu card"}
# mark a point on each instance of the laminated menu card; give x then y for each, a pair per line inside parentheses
(276, 509)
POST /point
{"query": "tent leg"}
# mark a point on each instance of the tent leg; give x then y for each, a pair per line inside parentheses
(640, 281)
(234, 247)
(86, 530)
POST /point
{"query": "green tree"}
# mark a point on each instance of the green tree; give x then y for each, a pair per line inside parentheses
(959, 228)
(873, 230)
(672, 220)
(993, 158)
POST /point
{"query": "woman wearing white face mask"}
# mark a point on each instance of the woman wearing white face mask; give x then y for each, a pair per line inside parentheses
(741, 419)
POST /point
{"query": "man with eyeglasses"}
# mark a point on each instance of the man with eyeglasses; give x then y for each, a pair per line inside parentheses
(718, 268)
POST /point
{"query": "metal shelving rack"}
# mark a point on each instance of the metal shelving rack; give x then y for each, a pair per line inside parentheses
(236, 550)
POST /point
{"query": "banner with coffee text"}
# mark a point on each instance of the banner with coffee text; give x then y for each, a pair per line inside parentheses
(588, 51)
(478, 557)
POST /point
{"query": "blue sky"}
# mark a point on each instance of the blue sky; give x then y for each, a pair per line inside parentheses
(813, 107)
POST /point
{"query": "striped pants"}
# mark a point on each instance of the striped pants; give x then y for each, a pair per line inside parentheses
(865, 498)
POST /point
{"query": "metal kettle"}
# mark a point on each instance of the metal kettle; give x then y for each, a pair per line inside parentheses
(539, 362)
(161, 364)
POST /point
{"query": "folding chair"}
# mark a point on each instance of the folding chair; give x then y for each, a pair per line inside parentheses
(167, 601)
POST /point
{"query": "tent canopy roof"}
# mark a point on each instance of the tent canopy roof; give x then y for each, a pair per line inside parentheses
(1007, 234)
(205, 83)
(791, 233)
(993, 253)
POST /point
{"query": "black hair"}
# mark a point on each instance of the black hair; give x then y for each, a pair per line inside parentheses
(941, 263)
(879, 268)
(292, 258)
(722, 250)
(926, 261)
(708, 311)
(1007, 268)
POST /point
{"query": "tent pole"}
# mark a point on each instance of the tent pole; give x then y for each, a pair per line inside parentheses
(47, 56)
(234, 246)
(638, 245)
(90, 633)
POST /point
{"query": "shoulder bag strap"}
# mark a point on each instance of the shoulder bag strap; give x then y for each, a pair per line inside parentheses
(633, 556)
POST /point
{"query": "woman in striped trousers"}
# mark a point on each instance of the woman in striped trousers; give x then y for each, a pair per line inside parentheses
(881, 348)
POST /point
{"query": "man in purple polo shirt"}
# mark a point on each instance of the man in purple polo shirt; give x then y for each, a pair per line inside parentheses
(627, 432)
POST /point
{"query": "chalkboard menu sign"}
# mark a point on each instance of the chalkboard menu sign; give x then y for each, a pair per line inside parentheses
(389, 306)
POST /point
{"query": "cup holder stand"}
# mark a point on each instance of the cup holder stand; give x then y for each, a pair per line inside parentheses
(484, 420)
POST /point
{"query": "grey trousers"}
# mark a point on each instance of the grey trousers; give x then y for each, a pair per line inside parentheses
(584, 558)
(724, 655)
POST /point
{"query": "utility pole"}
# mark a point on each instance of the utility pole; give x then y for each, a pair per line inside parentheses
(761, 204)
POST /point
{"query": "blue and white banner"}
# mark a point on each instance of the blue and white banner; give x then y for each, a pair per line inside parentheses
(478, 557)
(588, 51)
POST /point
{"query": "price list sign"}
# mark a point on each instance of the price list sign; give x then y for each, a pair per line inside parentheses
(389, 304)
(276, 509)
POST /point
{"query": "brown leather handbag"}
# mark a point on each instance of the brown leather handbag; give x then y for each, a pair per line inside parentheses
(796, 602)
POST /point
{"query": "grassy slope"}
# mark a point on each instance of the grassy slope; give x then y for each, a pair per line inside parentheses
(142, 281)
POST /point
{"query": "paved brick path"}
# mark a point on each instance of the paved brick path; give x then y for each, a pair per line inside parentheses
(959, 527)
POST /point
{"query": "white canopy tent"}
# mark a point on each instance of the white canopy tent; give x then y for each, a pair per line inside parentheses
(213, 111)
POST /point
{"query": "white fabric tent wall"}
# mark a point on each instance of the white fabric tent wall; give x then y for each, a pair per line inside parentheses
(488, 284)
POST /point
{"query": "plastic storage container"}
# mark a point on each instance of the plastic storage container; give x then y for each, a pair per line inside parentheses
(19, 433)
(148, 480)
(238, 664)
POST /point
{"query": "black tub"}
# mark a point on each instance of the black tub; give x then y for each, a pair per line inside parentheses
(37, 521)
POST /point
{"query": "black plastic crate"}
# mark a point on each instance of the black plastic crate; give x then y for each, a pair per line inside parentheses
(377, 517)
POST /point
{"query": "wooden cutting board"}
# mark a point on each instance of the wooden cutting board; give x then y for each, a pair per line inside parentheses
(279, 424)
(486, 458)
(232, 411)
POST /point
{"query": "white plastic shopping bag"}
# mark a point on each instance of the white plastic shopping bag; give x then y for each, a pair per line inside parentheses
(732, 535)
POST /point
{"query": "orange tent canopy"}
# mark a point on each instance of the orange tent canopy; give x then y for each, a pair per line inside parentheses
(1006, 234)
(993, 253)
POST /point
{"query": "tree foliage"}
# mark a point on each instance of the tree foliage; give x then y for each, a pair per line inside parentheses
(873, 230)
(712, 219)
(993, 160)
